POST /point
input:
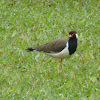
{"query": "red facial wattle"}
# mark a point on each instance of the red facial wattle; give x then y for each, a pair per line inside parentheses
(71, 35)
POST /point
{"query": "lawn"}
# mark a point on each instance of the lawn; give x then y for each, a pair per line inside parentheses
(33, 75)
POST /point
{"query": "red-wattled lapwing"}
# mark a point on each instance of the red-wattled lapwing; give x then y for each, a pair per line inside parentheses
(59, 48)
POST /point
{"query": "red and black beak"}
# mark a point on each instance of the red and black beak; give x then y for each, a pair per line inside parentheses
(71, 35)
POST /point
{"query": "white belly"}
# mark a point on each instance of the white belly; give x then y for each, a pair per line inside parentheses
(61, 55)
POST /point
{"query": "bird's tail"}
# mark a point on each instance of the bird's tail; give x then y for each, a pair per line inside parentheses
(30, 49)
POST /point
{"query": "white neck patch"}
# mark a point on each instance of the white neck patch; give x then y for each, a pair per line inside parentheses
(76, 36)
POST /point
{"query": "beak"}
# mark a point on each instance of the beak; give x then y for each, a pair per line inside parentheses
(70, 36)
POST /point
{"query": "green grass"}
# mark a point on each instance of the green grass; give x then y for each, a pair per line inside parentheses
(33, 76)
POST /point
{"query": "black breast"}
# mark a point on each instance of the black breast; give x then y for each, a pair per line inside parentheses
(72, 45)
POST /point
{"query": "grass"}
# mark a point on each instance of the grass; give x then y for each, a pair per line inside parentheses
(33, 76)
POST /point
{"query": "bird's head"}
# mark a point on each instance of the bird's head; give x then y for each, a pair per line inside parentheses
(73, 34)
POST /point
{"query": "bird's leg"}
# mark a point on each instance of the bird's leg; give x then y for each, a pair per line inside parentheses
(57, 65)
(73, 75)
(62, 67)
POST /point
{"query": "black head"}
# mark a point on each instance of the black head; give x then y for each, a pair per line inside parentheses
(72, 42)
(72, 34)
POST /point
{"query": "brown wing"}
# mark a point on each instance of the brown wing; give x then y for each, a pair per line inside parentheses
(53, 46)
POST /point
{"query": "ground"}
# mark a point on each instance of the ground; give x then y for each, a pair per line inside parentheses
(33, 75)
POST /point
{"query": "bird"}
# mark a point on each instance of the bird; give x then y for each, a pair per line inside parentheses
(59, 48)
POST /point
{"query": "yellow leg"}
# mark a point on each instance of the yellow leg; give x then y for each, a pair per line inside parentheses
(57, 65)
(73, 75)
(62, 68)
